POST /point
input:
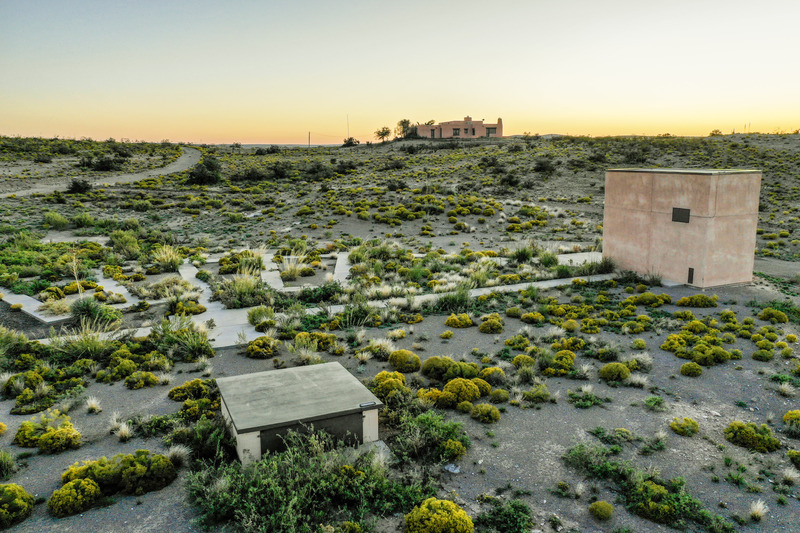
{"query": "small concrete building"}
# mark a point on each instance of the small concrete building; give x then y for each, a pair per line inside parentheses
(461, 129)
(690, 226)
(263, 406)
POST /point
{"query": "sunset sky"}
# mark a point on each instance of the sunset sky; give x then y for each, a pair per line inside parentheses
(271, 71)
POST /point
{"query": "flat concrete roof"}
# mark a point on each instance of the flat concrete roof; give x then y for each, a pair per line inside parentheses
(687, 170)
(276, 398)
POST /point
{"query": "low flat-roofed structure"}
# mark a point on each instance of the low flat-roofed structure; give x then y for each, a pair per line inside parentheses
(261, 407)
(693, 226)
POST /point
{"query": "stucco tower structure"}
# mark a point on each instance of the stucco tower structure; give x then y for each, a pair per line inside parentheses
(691, 226)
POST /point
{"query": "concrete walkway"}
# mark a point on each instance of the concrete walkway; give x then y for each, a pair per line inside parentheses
(230, 326)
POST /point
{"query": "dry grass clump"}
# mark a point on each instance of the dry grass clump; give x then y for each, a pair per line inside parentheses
(93, 405)
(758, 509)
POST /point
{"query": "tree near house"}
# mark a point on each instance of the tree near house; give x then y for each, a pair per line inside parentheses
(383, 133)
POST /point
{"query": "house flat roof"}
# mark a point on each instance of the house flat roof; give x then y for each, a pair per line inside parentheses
(276, 398)
(687, 170)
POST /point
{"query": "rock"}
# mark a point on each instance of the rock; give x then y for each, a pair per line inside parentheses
(452, 468)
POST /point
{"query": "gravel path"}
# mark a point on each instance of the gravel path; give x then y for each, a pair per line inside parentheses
(189, 157)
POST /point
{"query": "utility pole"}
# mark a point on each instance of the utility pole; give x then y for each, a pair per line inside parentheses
(348, 126)
(309, 141)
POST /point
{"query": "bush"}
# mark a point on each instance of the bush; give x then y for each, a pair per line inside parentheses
(436, 367)
(754, 438)
(77, 186)
(615, 372)
(74, 497)
(16, 504)
(51, 433)
(698, 300)
(792, 417)
(510, 517)
(483, 386)
(523, 360)
(64, 438)
(389, 384)
(462, 320)
(404, 361)
(493, 375)
(773, 315)
(55, 220)
(691, 369)
(491, 325)
(262, 347)
(464, 390)
(140, 379)
(794, 457)
(488, 414)
(686, 427)
(763, 355)
(438, 516)
(602, 510)
(498, 396)
(135, 473)
(206, 172)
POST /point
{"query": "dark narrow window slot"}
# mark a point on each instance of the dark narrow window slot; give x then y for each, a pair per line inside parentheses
(691, 275)
(680, 215)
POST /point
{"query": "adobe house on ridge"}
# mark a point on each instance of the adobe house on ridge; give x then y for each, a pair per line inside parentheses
(692, 226)
(460, 129)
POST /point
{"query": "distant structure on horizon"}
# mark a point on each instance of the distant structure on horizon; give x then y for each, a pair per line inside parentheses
(461, 129)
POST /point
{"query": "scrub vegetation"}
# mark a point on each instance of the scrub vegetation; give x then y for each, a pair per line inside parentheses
(442, 275)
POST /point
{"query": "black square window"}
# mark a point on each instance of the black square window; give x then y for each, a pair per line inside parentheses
(680, 215)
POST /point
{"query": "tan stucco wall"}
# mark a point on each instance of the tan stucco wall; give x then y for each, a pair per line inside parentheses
(718, 242)
(370, 425)
(248, 445)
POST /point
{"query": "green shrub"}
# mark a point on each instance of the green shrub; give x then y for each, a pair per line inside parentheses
(52, 432)
(615, 372)
(16, 504)
(140, 379)
(523, 360)
(686, 427)
(691, 369)
(794, 457)
(602, 510)
(58, 440)
(791, 417)
(464, 390)
(464, 407)
(488, 414)
(462, 320)
(773, 315)
(194, 390)
(763, 355)
(404, 361)
(262, 348)
(282, 491)
(388, 384)
(537, 394)
(509, 517)
(135, 473)
(74, 497)
(436, 367)
(698, 300)
(55, 220)
(493, 375)
(8, 464)
(498, 396)
(491, 325)
(438, 516)
(483, 386)
(754, 438)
